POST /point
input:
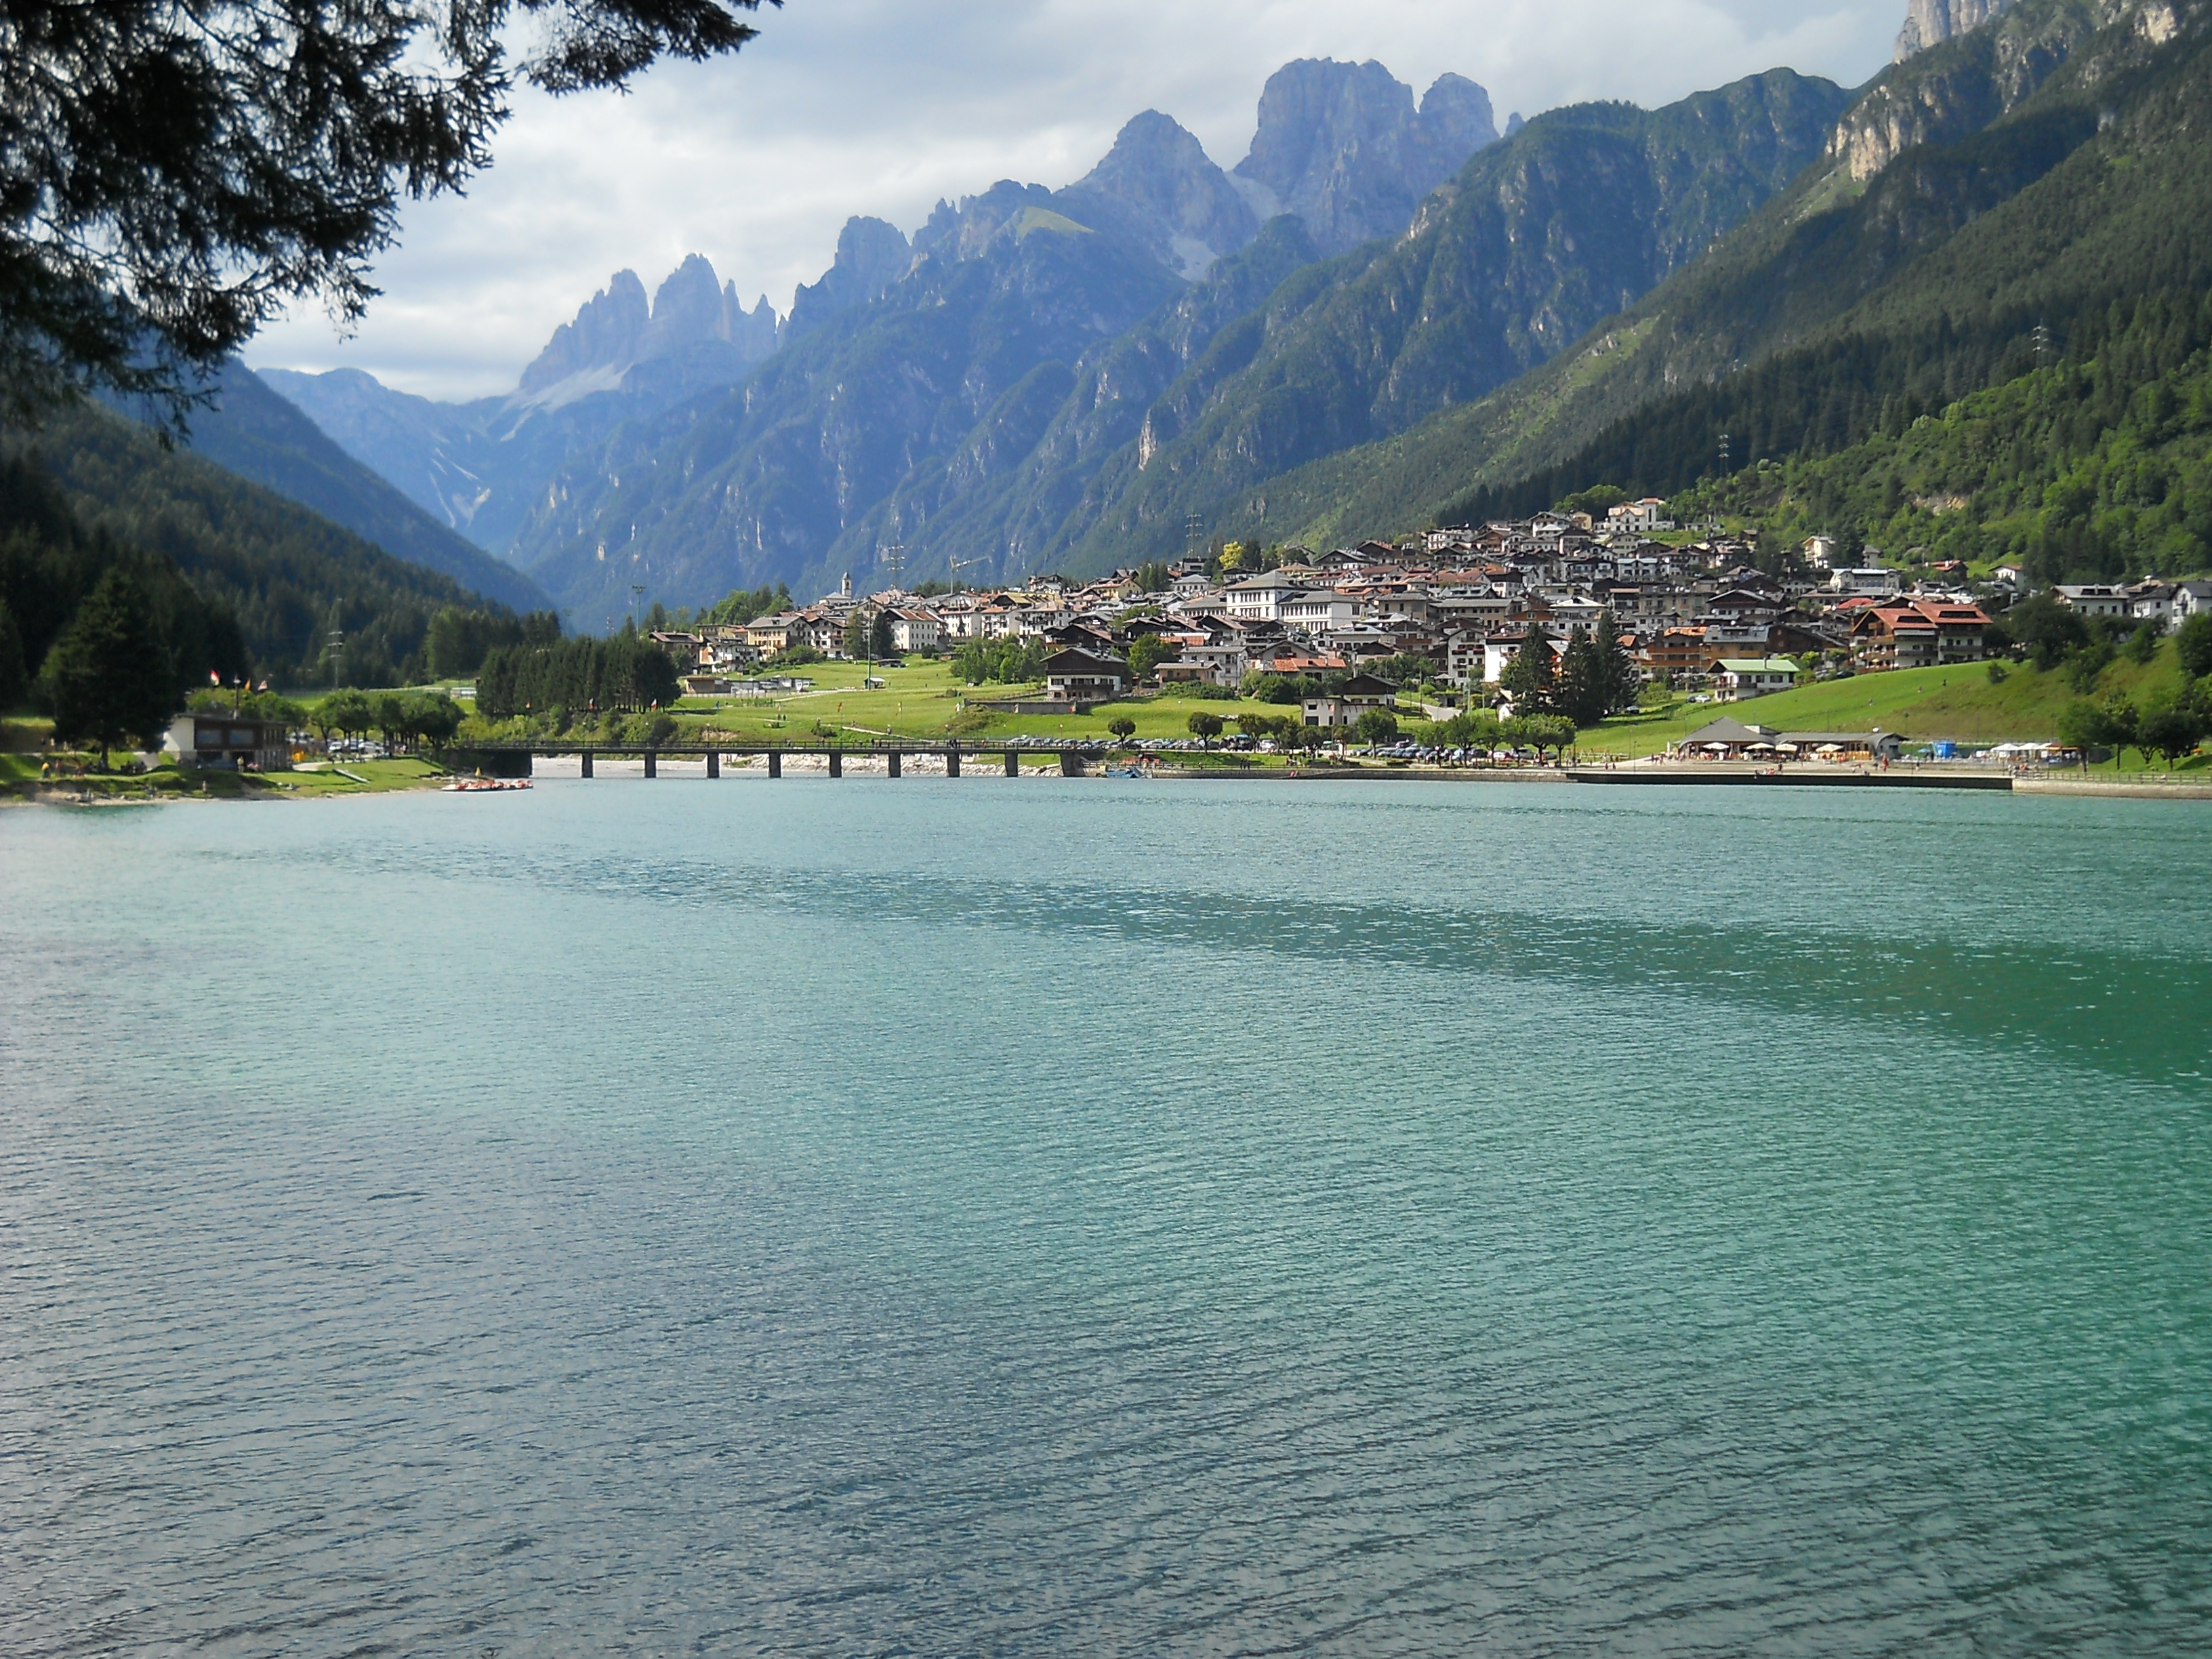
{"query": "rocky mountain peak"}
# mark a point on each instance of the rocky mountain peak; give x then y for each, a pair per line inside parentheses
(607, 330)
(871, 255)
(1456, 114)
(1342, 146)
(1158, 185)
(1931, 23)
(617, 329)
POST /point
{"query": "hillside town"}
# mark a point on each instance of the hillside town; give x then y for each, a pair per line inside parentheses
(1696, 615)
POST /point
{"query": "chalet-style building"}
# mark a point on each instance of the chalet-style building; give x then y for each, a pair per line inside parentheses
(1080, 676)
(1919, 634)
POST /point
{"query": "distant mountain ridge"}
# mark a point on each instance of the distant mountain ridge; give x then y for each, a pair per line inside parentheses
(617, 329)
(1340, 147)
(2008, 178)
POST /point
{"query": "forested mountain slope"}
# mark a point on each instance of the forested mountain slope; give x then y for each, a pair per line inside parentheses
(1540, 236)
(2088, 469)
(278, 576)
(262, 437)
(1969, 197)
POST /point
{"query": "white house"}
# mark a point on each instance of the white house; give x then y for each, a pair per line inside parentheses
(1317, 611)
(1865, 582)
(1261, 598)
(915, 631)
(1754, 677)
(1500, 650)
(2096, 601)
(2191, 600)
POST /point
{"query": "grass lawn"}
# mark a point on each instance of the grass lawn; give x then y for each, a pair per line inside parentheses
(924, 700)
(369, 778)
(1918, 704)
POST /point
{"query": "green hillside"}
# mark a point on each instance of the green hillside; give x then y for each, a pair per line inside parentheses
(2100, 262)
(2090, 469)
(269, 579)
(266, 440)
(1920, 704)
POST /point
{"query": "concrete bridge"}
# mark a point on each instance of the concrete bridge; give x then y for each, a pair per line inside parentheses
(515, 759)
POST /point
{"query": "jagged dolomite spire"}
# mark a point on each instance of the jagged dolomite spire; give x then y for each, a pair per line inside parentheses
(1930, 22)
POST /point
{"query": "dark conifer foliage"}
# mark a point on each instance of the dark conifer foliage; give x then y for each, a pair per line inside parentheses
(50, 562)
(304, 601)
(108, 679)
(171, 173)
(623, 673)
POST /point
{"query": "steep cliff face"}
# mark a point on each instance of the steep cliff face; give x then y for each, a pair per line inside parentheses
(1158, 188)
(1342, 146)
(1940, 96)
(871, 255)
(1931, 23)
(994, 503)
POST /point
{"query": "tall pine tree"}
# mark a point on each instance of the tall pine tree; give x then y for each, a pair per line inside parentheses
(1617, 671)
(1528, 676)
(1582, 691)
(108, 677)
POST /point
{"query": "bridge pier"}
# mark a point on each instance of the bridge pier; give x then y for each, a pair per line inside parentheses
(895, 762)
(652, 764)
(775, 762)
(713, 763)
(952, 761)
(1070, 763)
(1013, 764)
(836, 763)
(586, 758)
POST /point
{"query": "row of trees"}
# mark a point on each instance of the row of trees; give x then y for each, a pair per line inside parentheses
(458, 640)
(999, 662)
(1481, 729)
(625, 671)
(1595, 679)
(401, 719)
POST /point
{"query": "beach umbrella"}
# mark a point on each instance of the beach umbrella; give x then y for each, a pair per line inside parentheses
(1717, 748)
(1786, 747)
(1830, 748)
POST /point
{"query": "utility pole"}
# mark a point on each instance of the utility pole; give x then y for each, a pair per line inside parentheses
(637, 607)
(895, 556)
(1727, 454)
(1194, 537)
(2042, 337)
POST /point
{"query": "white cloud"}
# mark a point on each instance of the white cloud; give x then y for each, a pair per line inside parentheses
(846, 106)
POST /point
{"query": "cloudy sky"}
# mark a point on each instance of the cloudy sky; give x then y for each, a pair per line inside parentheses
(882, 107)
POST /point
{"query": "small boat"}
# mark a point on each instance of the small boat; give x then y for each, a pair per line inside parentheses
(482, 786)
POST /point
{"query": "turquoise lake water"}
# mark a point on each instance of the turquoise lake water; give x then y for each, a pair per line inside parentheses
(1049, 1218)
